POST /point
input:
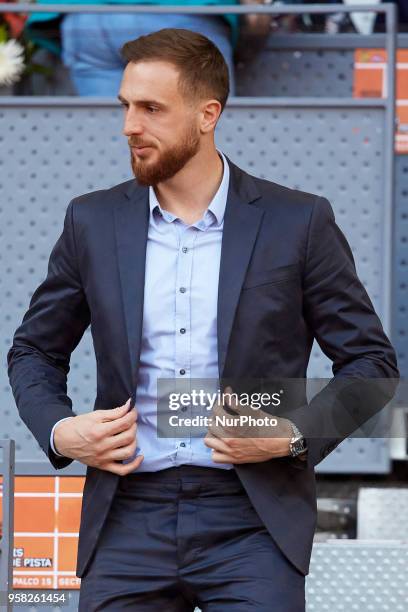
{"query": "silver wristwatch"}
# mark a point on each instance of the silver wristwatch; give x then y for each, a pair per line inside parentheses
(297, 444)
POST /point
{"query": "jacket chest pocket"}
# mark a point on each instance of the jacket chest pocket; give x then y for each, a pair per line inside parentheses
(273, 276)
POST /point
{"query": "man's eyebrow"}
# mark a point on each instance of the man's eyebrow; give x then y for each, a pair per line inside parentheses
(142, 102)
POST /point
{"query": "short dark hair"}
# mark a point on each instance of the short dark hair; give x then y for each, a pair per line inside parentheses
(202, 67)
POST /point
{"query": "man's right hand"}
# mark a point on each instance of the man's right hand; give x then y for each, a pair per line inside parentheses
(101, 438)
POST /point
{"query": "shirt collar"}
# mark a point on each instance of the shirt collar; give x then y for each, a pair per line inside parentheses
(216, 206)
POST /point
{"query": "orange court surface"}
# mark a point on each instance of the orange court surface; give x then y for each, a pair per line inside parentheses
(46, 524)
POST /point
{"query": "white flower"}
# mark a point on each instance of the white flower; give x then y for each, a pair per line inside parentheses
(11, 62)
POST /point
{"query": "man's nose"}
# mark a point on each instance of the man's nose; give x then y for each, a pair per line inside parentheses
(132, 125)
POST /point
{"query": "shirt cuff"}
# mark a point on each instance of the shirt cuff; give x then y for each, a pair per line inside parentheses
(52, 437)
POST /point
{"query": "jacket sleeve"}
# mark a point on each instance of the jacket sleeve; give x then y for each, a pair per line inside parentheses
(343, 321)
(38, 360)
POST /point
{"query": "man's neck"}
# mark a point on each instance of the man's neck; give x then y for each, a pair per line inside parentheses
(188, 194)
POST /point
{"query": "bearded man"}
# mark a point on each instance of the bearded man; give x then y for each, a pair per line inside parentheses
(194, 270)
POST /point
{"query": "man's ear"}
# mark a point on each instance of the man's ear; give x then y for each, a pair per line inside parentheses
(209, 114)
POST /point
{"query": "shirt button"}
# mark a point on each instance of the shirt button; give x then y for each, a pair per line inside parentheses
(184, 249)
(182, 330)
(184, 408)
(183, 289)
(182, 444)
(182, 371)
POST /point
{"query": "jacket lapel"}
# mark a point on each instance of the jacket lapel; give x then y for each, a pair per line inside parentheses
(241, 226)
(131, 227)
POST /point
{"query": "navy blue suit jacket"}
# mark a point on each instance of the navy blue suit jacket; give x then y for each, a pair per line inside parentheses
(287, 276)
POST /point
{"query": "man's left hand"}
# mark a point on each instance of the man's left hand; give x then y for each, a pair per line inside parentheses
(238, 444)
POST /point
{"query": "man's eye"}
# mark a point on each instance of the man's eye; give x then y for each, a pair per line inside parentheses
(124, 105)
(152, 109)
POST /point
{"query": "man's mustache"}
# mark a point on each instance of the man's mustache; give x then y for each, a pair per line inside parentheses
(138, 143)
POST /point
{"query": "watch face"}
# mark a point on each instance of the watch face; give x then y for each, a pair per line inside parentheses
(298, 446)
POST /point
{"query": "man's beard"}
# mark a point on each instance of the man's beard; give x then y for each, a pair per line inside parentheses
(170, 161)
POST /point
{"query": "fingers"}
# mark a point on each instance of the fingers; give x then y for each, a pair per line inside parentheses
(122, 469)
(118, 420)
(222, 458)
(123, 438)
(114, 413)
(221, 451)
(124, 452)
(217, 444)
(111, 414)
(223, 430)
(122, 424)
(115, 448)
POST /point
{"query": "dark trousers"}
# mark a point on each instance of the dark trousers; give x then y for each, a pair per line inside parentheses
(183, 537)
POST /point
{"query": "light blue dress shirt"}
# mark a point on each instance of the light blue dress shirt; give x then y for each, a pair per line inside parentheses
(179, 334)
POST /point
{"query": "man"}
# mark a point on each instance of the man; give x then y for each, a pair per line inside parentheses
(196, 270)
